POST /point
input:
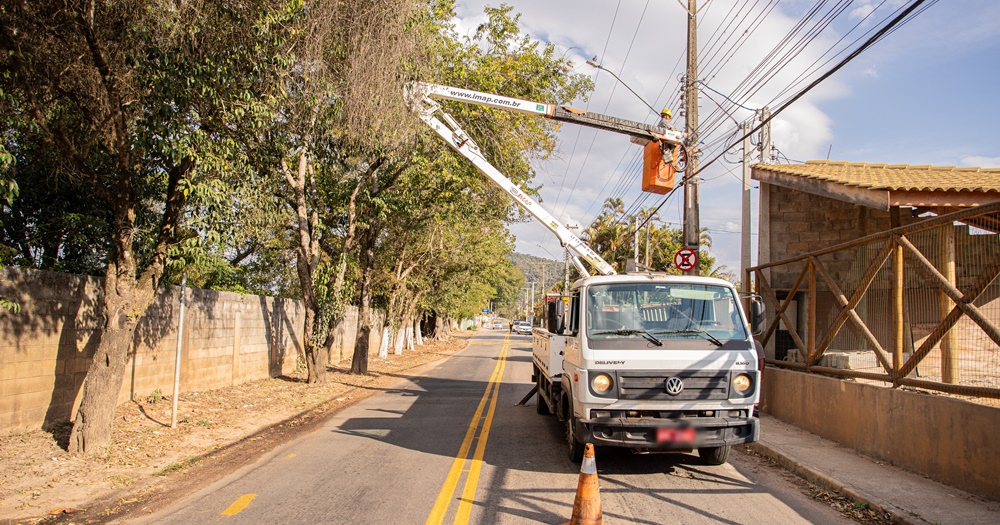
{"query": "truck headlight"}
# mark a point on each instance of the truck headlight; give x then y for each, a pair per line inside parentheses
(742, 383)
(601, 383)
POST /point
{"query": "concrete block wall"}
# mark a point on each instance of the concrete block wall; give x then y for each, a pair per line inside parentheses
(801, 222)
(228, 339)
(45, 349)
(949, 440)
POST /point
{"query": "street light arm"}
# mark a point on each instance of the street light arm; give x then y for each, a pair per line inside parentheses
(593, 63)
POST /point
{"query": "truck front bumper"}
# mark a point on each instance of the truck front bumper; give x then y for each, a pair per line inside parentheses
(643, 433)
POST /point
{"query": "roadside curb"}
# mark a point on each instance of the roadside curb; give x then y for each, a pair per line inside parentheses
(819, 478)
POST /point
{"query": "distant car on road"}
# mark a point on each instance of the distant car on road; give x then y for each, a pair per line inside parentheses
(522, 327)
(497, 325)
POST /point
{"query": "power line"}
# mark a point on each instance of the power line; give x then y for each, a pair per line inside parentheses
(587, 107)
(780, 56)
(801, 78)
(606, 106)
(854, 54)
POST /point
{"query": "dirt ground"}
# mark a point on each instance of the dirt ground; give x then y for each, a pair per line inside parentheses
(40, 481)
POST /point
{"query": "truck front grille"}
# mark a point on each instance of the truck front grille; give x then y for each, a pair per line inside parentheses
(698, 385)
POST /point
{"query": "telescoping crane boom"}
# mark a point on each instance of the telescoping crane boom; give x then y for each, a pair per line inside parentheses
(421, 96)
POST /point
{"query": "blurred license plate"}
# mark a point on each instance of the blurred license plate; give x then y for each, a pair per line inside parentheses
(674, 435)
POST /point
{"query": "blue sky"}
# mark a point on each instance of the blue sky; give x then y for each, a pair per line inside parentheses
(926, 94)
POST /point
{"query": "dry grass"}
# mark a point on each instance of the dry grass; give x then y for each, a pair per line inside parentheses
(38, 476)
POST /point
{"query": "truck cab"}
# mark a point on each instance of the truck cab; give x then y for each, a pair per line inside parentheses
(645, 360)
(651, 362)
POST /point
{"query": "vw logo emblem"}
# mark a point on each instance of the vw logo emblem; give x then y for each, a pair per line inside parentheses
(674, 386)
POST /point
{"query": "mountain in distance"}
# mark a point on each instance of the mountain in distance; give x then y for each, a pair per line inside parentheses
(539, 270)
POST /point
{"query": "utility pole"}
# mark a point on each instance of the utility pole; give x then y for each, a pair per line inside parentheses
(765, 157)
(531, 305)
(649, 221)
(636, 228)
(745, 228)
(765, 135)
(692, 238)
(524, 304)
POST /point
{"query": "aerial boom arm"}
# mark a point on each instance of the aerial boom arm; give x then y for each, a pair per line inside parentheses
(453, 134)
(421, 95)
(640, 131)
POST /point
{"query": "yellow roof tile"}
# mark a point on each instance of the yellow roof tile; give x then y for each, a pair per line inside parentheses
(894, 177)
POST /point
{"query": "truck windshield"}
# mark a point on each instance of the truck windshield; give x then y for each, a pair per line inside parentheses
(664, 311)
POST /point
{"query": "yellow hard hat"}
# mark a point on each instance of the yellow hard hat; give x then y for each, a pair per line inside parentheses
(667, 114)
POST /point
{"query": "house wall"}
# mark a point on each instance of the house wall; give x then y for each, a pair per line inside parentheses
(46, 349)
(799, 222)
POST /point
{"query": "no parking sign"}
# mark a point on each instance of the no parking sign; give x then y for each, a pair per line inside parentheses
(686, 259)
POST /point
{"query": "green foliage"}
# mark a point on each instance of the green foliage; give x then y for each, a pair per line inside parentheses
(184, 150)
(612, 236)
(154, 397)
(470, 263)
(508, 283)
(8, 186)
(162, 136)
(497, 58)
(55, 224)
(8, 191)
(539, 269)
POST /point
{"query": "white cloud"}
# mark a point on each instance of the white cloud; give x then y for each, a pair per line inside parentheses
(860, 12)
(867, 7)
(980, 162)
(593, 162)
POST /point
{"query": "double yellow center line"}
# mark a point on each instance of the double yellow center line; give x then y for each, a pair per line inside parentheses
(479, 431)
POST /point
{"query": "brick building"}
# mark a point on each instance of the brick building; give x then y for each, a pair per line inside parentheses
(820, 204)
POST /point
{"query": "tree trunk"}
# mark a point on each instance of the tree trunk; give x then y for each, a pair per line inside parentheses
(316, 360)
(92, 427)
(306, 261)
(316, 353)
(383, 344)
(124, 303)
(440, 328)
(417, 335)
(399, 340)
(359, 363)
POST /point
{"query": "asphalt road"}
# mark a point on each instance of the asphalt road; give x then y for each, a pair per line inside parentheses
(448, 445)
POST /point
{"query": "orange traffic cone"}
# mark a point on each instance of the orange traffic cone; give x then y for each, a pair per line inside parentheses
(587, 507)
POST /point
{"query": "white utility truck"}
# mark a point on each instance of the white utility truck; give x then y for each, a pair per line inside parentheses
(645, 360)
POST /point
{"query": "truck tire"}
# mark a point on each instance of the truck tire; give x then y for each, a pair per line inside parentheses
(542, 407)
(714, 455)
(574, 448)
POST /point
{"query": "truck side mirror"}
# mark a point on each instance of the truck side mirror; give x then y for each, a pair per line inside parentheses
(556, 319)
(756, 316)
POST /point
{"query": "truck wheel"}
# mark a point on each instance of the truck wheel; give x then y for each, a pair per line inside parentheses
(714, 455)
(574, 447)
(542, 407)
